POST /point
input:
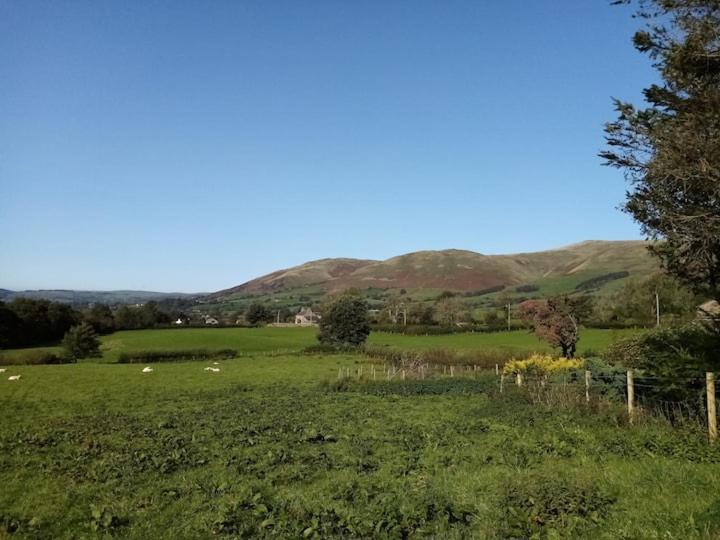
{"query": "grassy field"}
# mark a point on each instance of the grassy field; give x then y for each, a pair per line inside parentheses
(262, 340)
(274, 447)
(590, 340)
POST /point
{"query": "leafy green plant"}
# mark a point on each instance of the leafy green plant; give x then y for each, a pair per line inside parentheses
(547, 506)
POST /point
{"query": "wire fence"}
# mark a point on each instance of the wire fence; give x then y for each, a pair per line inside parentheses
(678, 397)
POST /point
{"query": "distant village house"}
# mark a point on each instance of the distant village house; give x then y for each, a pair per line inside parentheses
(306, 317)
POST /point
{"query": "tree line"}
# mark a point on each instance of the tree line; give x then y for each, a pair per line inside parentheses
(26, 322)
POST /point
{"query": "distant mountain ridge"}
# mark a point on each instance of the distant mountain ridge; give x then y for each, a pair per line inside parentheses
(457, 270)
(91, 297)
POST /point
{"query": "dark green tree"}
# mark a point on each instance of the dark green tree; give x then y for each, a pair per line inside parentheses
(258, 313)
(127, 318)
(493, 321)
(10, 327)
(81, 341)
(344, 321)
(669, 148)
(101, 318)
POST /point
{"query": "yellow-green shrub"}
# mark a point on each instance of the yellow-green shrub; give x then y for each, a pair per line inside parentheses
(542, 365)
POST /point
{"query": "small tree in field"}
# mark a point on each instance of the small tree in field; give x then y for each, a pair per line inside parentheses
(81, 341)
(344, 322)
(258, 313)
(556, 320)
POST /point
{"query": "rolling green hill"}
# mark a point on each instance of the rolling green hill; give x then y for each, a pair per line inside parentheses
(590, 266)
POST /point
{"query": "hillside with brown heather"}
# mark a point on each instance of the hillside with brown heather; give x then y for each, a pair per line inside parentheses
(457, 270)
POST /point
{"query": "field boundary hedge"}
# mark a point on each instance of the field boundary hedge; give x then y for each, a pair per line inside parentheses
(145, 357)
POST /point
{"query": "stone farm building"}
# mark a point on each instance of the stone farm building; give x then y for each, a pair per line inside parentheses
(306, 317)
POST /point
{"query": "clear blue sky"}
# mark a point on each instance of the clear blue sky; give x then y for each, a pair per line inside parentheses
(191, 146)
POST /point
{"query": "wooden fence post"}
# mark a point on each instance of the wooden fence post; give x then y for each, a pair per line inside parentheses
(497, 370)
(403, 374)
(452, 371)
(631, 395)
(339, 373)
(502, 380)
(587, 386)
(518, 379)
(711, 406)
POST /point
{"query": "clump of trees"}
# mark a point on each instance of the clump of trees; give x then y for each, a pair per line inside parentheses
(148, 315)
(25, 322)
(258, 313)
(635, 302)
(344, 322)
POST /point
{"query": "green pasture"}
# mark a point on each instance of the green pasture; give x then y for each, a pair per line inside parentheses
(591, 339)
(287, 340)
(275, 446)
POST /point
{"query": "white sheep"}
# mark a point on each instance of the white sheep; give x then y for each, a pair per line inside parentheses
(213, 369)
(14, 377)
(147, 369)
(3, 370)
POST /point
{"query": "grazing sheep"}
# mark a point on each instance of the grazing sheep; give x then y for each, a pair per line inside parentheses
(14, 377)
(147, 369)
(213, 369)
(3, 370)
(216, 363)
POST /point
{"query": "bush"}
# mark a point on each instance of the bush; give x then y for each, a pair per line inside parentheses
(344, 322)
(670, 351)
(258, 313)
(540, 365)
(146, 357)
(32, 358)
(670, 362)
(81, 341)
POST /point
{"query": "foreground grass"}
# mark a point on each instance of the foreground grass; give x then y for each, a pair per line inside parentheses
(266, 448)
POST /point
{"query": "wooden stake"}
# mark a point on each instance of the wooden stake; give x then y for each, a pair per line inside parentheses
(497, 369)
(339, 373)
(452, 371)
(587, 386)
(518, 379)
(711, 406)
(502, 380)
(403, 374)
(631, 395)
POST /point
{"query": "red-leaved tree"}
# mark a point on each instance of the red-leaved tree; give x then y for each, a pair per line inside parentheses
(556, 320)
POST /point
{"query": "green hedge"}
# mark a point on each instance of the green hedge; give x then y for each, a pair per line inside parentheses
(144, 357)
(33, 358)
